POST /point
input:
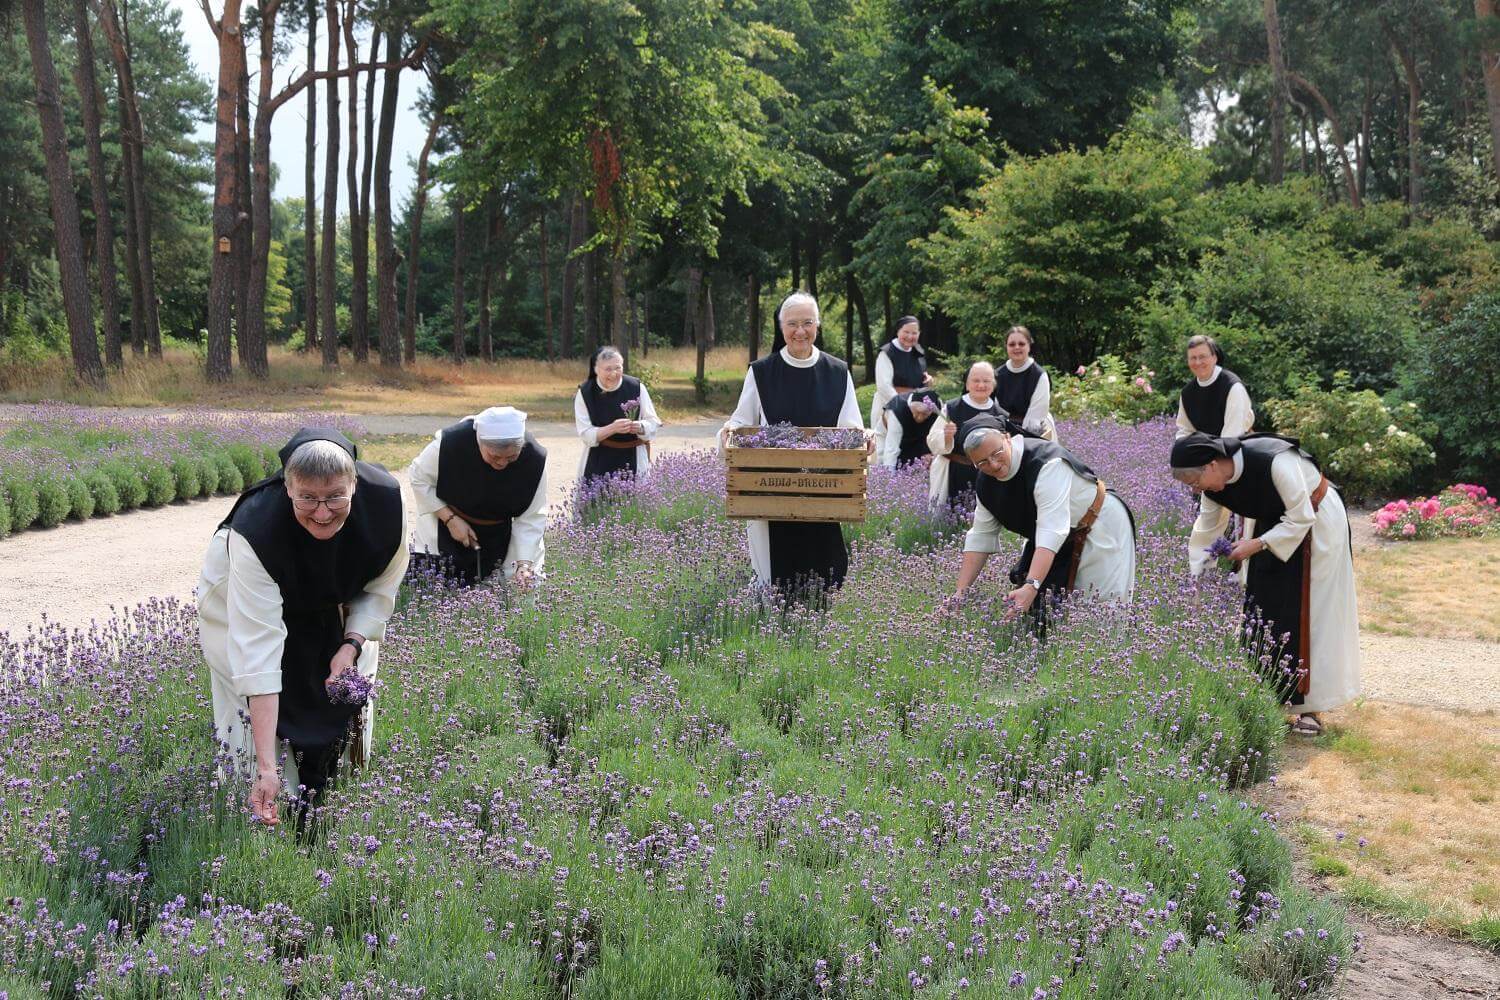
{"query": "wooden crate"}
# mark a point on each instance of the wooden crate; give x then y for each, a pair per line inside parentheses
(794, 484)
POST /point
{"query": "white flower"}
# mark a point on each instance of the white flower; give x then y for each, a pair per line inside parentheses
(1367, 446)
(1324, 435)
(1113, 378)
(1411, 406)
(1391, 429)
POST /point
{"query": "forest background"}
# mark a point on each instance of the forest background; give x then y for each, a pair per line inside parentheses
(1314, 183)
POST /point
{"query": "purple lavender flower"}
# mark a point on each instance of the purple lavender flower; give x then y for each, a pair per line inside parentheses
(351, 688)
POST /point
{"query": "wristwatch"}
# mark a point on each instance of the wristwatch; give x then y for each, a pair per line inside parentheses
(358, 644)
(1035, 585)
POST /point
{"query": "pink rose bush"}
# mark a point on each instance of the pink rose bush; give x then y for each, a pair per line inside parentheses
(1463, 510)
(1107, 390)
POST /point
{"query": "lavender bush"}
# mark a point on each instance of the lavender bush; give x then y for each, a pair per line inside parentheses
(59, 462)
(649, 779)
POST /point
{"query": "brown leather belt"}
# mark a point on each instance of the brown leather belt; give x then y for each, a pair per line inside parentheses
(1080, 534)
(475, 520)
(612, 443)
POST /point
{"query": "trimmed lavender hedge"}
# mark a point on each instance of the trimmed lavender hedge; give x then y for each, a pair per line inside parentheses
(646, 780)
(59, 462)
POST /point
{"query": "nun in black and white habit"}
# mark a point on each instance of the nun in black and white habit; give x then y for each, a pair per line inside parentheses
(951, 472)
(908, 420)
(1214, 401)
(297, 586)
(614, 438)
(1079, 536)
(799, 384)
(481, 492)
(1297, 563)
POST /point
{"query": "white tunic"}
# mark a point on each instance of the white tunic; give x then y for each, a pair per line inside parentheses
(748, 413)
(888, 448)
(1333, 640)
(1038, 419)
(885, 391)
(1238, 415)
(242, 634)
(589, 434)
(526, 531)
(937, 472)
(1107, 563)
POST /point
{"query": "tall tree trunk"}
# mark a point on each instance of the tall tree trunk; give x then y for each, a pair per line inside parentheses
(619, 304)
(1341, 147)
(328, 273)
(857, 301)
(849, 319)
(221, 279)
(752, 315)
(65, 226)
(253, 318)
(796, 255)
(541, 234)
(310, 194)
(486, 247)
(132, 146)
(1489, 65)
(812, 266)
(700, 333)
(1362, 141)
(367, 167)
(104, 229)
(386, 258)
(246, 332)
(359, 236)
(1413, 76)
(460, 308)
(1279, 90)
(577, 232)
(591, 297)
(132, 246)
(645, 324)
(691, 309)
(414, 242)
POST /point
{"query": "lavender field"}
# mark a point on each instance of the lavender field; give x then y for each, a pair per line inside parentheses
(644, 781)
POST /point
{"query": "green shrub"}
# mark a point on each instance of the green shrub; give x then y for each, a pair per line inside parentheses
(80, 498)
(23, 499)
(160, 483)
(248, 460)
(186, 477)
(1455, 383)
(52, 502)
(1366, 447)
(128, 480)
(208, 474)
(106, 495)
(1285, 306)
(230, 479)
(4, 514)
(1106, 390)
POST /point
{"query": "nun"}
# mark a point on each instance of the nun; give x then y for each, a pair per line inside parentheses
(1214, 401)
(951, 474)
(297, 586)
(1079, 535)
(900, 368)
(615, 419)
(481, 492)
(1296, 562)
(796, 383)
(909, 419)
(1022, 387)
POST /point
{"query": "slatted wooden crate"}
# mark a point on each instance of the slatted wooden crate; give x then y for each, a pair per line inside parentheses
(794, 484)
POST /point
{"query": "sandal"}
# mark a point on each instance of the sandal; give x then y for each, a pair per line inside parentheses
(1307, 725)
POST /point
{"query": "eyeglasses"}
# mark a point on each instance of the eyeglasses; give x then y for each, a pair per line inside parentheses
(309, 504)
(800, 324)
(992, 459)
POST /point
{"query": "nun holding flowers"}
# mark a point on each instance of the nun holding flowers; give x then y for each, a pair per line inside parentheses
(615, 418)
(798, 384)
(481, 489)
(1298, 566)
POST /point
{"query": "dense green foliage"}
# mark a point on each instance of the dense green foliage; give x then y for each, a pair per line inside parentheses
(1455, 382)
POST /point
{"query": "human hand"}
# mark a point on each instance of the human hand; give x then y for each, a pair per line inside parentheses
(342, 661)
(621, 426)
(1245, 548)
(950, 431)
(949, 605)
(462, 533)
(264, 793)
(1020, 600)
(926, 379)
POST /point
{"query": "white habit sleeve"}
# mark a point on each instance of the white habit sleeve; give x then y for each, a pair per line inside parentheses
(257, 634)
(1238, 416)
(650, 422)
(984, 533)
(1040, 407)
(937, 437)
(583, 423)
(1287, 476)
(1054, 488)
(746, 411)
(424, 476)
(1184, 425)
(526, 531)
(1211, 522)
(890, 445)
(885, 375)
(849, 416)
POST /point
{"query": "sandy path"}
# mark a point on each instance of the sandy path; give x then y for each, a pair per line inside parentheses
(76, 573)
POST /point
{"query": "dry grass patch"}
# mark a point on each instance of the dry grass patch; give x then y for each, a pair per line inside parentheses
(1407, 588)
(1422, 788)
(298, 382)
(394, 451)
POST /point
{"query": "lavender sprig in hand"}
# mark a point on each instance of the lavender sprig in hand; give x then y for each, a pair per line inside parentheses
(1220, 550)
(351, 688)
(631, 408)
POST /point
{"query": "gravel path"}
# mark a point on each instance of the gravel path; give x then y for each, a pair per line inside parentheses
(1454, 674)
(79, 572)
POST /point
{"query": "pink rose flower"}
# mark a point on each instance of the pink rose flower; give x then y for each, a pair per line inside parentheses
(1409, 530)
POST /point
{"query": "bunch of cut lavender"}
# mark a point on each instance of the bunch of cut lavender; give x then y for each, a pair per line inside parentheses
(782, 435)
(631, 408)
(1220, 550)
(838, 439)
(351, 688)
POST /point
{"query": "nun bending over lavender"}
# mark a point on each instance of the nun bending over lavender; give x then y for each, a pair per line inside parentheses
(615, 419)
(798, 384)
